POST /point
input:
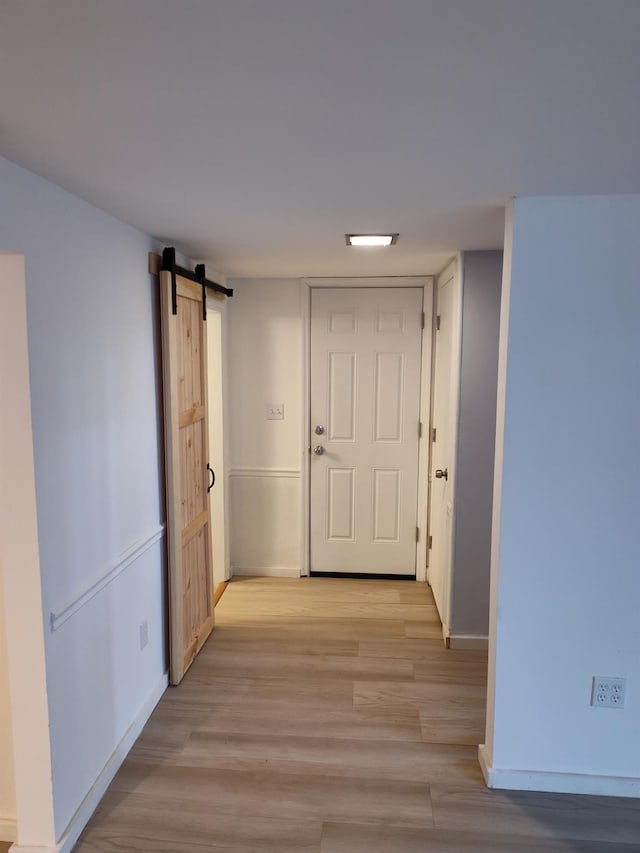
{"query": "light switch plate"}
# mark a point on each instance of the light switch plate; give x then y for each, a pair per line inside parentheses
(275, 411)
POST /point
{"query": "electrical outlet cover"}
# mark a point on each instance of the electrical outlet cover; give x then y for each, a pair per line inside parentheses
(608, 691)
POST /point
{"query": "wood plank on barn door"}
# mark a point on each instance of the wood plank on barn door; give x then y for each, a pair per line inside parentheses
(184, 356)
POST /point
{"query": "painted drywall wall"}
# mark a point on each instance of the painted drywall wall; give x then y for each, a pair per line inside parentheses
(565, 580)
(265, 366)
(94, 364)
(7, 780)
(481, 285)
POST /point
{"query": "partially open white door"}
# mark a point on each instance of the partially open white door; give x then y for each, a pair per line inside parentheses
(365, 410)
(445, 408)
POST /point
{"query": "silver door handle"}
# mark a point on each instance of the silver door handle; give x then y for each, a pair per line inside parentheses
(318, 450)
(319, 430)
(440, 474)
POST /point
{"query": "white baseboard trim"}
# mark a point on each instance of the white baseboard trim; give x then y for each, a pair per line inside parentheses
(8, 828)
(468, 641)
(97, 790)
(265, 572)
(557, 783)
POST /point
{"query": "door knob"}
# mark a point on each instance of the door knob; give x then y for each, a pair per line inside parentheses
(440, 474)
(318, 450)
(319, 430)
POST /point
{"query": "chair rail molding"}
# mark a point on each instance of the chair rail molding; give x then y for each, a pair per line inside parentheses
(63, 613)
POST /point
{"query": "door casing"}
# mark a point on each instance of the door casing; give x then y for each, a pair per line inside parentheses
(425, 282)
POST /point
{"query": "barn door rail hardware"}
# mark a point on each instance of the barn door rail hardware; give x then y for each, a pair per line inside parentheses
(198, 276)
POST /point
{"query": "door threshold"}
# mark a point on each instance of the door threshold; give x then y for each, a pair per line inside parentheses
(363, 576)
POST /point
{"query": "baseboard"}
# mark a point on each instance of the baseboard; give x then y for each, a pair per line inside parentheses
(97, 790)
(219, 591)
(468, 641)
(265, 572)
(557, 783)
(8, 828)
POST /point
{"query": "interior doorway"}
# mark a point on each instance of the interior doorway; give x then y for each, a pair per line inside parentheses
(369, 368)
(446, 384)
(216, 395)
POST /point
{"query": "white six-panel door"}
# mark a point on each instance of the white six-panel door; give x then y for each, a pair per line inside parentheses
(365, 407)
(445, 396)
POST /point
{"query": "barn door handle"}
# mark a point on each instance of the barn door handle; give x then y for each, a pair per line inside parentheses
(213, 477)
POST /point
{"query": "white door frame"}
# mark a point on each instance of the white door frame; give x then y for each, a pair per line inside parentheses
(215, 306)
(20, 577)
(426, 283)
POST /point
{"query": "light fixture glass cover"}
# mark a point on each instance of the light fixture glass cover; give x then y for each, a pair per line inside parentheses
(371, 239)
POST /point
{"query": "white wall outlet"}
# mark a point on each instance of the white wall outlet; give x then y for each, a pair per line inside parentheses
(607, 691)
(144, 634)
(275, 411)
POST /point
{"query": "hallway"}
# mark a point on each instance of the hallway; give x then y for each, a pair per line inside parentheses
(325, 716)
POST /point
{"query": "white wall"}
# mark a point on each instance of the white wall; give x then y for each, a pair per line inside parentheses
(565, 579)
(265, 366)
(7, 780)
(481, 283)
(94, 365)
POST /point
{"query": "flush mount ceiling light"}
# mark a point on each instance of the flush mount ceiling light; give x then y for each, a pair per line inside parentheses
(371, 239)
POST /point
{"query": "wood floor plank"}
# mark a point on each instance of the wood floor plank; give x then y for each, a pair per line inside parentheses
(420, 630)
(307, 755)
(449, 713)
(358, 838)
(403, 648)
(455, 721)
(257, 641)
(299, 666)
(605, 820)
(449, 671)
(210, 692)
(282, 795)
(345, 628)
(166, 733)
(137, 822)
(422, 613)
(369, 724)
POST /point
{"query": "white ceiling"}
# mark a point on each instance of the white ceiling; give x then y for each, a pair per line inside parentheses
(254, 133)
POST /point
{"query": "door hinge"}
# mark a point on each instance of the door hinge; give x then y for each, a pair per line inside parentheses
(433, 435)
(417, 534)
(438, 323)
(419, 429)
(430, 542)
(422, 320)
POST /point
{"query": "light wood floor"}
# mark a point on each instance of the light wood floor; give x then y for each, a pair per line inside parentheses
(325, 716)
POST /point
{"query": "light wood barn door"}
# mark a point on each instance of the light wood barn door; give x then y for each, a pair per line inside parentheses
(184, 360)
